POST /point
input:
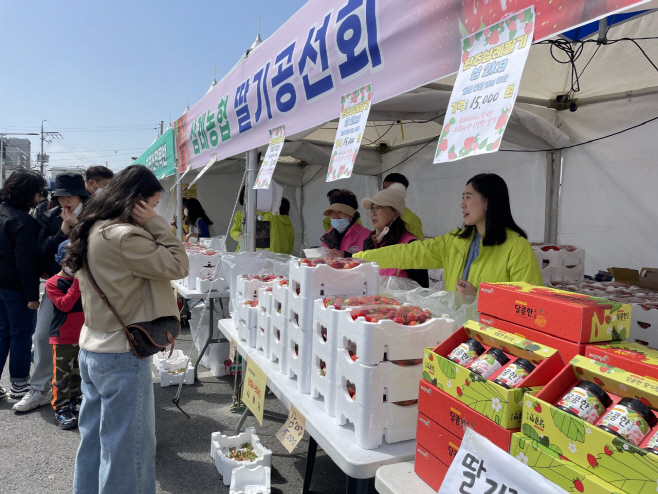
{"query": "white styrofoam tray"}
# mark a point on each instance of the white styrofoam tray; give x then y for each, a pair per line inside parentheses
(169, 379)
(373, 341)
(219, 449)
(251, 480)
(160, 357)
(321, 280)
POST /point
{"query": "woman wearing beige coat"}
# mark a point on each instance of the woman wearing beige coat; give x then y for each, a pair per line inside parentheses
(133, 257)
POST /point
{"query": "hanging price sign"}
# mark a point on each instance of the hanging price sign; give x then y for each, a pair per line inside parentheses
(253, 390)
(292, 432)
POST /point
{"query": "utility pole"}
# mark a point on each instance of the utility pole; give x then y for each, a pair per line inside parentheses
(41, 155)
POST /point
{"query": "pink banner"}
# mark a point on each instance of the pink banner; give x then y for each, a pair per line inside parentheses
(332, 47)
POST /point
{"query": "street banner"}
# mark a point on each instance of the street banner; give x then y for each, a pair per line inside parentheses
(486, 88)
(160, 157)
(277, 138)
(354, 110)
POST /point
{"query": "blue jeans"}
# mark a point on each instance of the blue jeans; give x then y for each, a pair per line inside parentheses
(117, 425)
(17, 324)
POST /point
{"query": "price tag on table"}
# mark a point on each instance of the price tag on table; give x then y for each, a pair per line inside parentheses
(480, 466)
(292, 431)
(232, 351)
(253, 390)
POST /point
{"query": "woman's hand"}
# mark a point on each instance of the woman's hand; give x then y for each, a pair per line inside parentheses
(68, 220)
(190, 236)
(142, 212)
(466, 288)
(335, 253)
(33, 305)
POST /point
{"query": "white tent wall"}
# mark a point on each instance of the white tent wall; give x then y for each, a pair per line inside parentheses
(435, 190)
(609, 204)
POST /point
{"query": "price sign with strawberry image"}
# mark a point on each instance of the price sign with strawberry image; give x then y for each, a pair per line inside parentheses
(277, 138)
(486, 87)
(354, 110)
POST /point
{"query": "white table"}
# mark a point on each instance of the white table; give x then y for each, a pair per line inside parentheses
(190, 294)
(400, 479)
(337, 441)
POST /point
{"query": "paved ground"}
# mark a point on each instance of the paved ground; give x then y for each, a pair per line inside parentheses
(36, 457)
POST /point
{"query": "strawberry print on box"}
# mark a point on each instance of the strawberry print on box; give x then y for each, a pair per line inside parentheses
(486, 87)
(571, 316)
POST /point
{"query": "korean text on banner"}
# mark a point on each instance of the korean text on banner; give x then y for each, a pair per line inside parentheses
(253, 390)
(486, 87)
(354, 110)
(160, 157)
(277, 138)
(480, 466)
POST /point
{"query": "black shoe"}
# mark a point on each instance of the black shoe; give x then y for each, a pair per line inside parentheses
(65, 418)
(75, 404)
(18, 390)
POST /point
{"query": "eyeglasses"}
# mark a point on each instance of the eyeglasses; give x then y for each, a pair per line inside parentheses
(376, 209)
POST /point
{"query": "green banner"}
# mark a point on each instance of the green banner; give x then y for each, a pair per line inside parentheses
(160, 157)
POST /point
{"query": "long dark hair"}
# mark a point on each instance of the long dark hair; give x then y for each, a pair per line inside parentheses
(499, 214)
(195, 211)
(132, 184)
(21, 187)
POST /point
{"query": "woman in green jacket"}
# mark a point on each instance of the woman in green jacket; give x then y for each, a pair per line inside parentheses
(489, 247)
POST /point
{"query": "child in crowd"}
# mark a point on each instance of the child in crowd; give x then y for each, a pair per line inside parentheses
(64, 292)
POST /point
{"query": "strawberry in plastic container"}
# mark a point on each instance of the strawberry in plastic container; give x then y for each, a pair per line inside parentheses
(338, 263)
(251, 303)
(265, 278)
(339, 301)
(404, 315)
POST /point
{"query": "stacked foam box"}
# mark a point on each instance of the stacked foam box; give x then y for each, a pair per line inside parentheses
(378, 367)
(247, 289)
(564, 263)
(248, 322)
(263, 320)
(216, 355)
(310, 280)
(279, 326)
(255, 480)
(201, 258)
(324, 343)
(221, 445)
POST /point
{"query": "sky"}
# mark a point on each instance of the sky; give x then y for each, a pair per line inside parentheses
(104, 74)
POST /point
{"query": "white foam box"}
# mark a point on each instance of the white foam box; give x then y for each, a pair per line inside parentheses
(247, 324)
(644, 324)
(247, 289)
(169, 379)
(298, 363)
(216, 359)
(265, 299)
(220, 446)
(205, 286)
(374, 382)
(563, 274)
(300, 310)
(372, 342)
(160, 357)
(263, 332)
(395, 423)
(323, 388)
(279, 340)
(199, 261)
(321, 280)
(280, 294)
(563, 257)
(255, 480)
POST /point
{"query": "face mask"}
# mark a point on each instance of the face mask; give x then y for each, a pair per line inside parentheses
(185, 212)
(340, 224)
(98, 190)
(77, 210)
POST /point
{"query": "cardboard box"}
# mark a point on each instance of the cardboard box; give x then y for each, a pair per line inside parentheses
(454, 416)
(429, 468)
(437, 440)
(568, 349)
(628, 468)
(632, 357)
(544, 459)
(646, 277)
(567, 315)
(495, 402)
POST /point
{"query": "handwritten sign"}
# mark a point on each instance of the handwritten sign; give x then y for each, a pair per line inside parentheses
(277, 138)
(253, 390)
(292, 431)
(480, 466)
(354, 110)
(486, 88)
(232, 350)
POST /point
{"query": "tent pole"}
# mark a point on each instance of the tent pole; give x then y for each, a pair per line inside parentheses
(251, 163)
(553, 182)
(179, 206)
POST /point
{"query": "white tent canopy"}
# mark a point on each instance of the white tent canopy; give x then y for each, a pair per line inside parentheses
(607, 203)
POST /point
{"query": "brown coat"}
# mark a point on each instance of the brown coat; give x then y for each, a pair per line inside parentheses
(134, 267)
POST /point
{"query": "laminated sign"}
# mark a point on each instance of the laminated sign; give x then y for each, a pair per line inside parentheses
(480, 467)
(486, 88)
(354, 110)
(253, 390)
(277, 138)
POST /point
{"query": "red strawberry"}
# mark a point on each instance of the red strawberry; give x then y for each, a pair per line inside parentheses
(579, 486)
(431, 357)
(538, 408)
(599, 382)
(452, 156)
(579, 370)
(512, 26)
(494, 38)
(468, 143)
(467, 383)
(459, 391)
(443, 145)
(527, 29)
(464, 58)
(398, 320)
(607, 451)
(446, 127)
(502, 121)
(495, 145)
(591, 459)
(604, 369)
